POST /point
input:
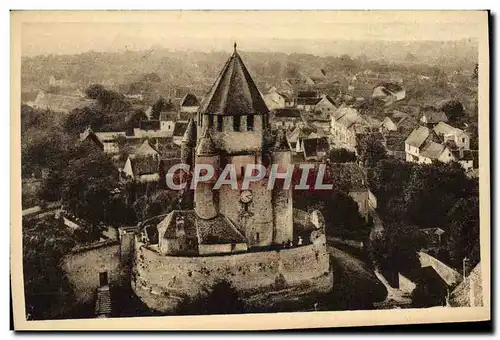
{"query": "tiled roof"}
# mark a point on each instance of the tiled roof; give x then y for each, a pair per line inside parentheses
(310, 147)
(234, 92)
(444, 129)
(434, 116)
(432, 150)
(395, 141)
(219, 230)
(146, 149)
(143, 165)
(418, 136)
(170, 222)
(190, 100)
(287, 113)
(180, 128)
(166, 116)
(308, 101)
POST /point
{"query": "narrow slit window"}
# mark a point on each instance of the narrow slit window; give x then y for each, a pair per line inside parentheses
(219, 123)
(210, 121)
(236, 123)
(250, 123)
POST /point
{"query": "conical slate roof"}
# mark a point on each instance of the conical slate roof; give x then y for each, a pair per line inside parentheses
(234, 91)
(189, 137)
(206, 145)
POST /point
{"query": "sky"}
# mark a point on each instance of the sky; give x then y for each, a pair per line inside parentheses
(76, 32)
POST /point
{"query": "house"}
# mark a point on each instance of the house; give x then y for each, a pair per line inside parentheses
(288, 118)
(395, 144)
(143, 164)
(89, 136)
(449, 133)
(167, 121)
(468, 159)
(388, 93)
(346, 124)
(432, 151)
(430, 117)
(325, 105)
(469, 293)
(189, 103)
(108, 140)
(424, 145)
(315, 149)
(274, 100)
(414, 143)
(297, 136)
(179, 130)
(398, 121)
(307, 100)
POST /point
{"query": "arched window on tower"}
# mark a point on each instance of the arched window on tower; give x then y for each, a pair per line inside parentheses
(236, 123)
(250, 123)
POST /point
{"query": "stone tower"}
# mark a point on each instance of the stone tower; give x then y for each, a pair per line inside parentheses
(282, 196)
(231, 123)
(205, 198)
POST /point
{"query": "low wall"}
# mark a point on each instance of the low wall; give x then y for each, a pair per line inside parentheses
(164, 281)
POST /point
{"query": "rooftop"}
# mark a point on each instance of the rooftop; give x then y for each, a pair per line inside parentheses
(418, 136)
(234, 91)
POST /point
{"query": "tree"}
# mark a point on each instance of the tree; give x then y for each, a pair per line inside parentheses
(81, 118)
(343, 219)
(472, 129)
(341, 156)
(454, 110)
(47, 291)
(371, 150)
(463, 238)
(161, 105)
(476, 71)
(397, 248)
(88, 187)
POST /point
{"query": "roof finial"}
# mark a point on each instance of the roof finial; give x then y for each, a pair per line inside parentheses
(235, 46)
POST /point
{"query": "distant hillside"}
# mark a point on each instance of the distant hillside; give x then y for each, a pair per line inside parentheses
(188, 67)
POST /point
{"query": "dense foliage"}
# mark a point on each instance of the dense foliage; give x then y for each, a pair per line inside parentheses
(47, 291)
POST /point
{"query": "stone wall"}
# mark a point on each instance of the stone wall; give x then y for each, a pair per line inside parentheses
(162, 282)
(84, 264)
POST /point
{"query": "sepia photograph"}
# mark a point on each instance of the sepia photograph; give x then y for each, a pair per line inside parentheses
(329, 167)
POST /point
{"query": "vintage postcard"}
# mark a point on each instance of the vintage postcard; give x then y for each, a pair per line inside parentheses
(188, 170)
